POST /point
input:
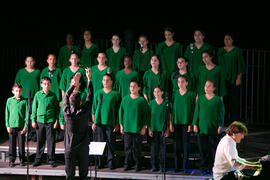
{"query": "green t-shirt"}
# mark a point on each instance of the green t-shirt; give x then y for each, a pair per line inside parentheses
(133, 114)
(183, 107)
(151, 80)
(141, 61)
(108, 113)
(67, 74)
(55, 80)
(115, 59)
(16, 113)
(64, 55)
(97, 77)
(194, 56)
(122, 82)
(29, 81)
(208, 115)
(157, 115)
(44, 107)
(89, 56)
(169, 55)
(191, 81)
(215, 74)
(232, 63)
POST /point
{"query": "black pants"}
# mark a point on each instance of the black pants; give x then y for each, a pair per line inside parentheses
(45, 132)
(16, 132)
(181, 146)
(207, 148)
(232, 103)
(157, 150)
(104, 133)
(132, 146)
(81, 154)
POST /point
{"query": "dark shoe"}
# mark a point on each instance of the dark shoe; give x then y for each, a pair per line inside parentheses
(138, 168)
(154, 169)
(162, 170)
(36, 163)
(126, 168)
(52, 164)
(11, 164)
(22, 163)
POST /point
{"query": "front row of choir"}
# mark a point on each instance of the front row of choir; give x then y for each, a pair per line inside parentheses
(134, 115)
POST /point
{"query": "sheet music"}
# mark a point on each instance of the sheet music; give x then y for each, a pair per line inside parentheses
(96, 148)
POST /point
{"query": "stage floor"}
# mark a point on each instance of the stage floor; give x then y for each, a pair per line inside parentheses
(255, 145)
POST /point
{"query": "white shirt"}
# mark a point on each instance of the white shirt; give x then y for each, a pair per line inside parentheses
(226, 158)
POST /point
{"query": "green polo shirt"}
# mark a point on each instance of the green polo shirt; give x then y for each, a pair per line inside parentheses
(44, 107)
(97, 77)
(16, 113)
(64, 55)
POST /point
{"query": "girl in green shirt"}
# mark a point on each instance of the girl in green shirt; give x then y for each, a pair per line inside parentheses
(231, 59)
(16, 124)
(142, 56)
(89, 51)
(194, 51)
(115, 54)
(183, 108)
(182, 64)
(157, 108)
(210, 71)
(169, 51)
(124, 77)
(28, 77)
(208, 122)
(105, 118)
(153, 77)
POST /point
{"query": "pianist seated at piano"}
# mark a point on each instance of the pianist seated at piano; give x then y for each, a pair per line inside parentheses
(227, 162)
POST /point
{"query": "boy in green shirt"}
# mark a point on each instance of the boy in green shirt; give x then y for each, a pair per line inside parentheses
(183, 108)
(208, 121)
(158, 107)
(44, 116)
(105, 118)
(16, 124)
(133, 119)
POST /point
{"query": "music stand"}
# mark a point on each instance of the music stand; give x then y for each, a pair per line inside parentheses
(96, 149)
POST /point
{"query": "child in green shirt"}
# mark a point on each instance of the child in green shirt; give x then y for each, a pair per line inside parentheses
(89, 51)
(208, 122)
(153, 77)
(158, 108)
(105, 118)
(16, 124)
(65, 51)
(194, 51)
(183, 108)
(44, 115)
(133, 119)
(116, 54)
(142, 56)
(124, 77)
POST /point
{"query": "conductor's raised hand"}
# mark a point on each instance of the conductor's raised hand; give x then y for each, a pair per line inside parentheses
(88, 73)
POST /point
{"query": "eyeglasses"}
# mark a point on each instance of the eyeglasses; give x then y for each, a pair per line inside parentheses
(180, 62)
